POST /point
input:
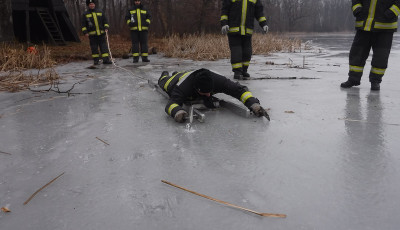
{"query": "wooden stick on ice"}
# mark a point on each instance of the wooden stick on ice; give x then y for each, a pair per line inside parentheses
(34, 194)
(226, 203)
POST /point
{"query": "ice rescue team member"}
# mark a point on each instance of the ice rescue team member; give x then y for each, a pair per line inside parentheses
(138, 20)
(237, 20)
(94, 26)
(376, 21)
(202, 84)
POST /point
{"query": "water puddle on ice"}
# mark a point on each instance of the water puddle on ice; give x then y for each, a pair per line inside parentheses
(189, 128)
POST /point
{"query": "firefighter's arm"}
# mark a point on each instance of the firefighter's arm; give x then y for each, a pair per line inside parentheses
(393, 11)
(105, 22)
(84, 25)
(234, 89)
(259, 15)
(356, 7)
(226, 5)
(128, 17)
(148, 17)
(175, 103)
(243, 94)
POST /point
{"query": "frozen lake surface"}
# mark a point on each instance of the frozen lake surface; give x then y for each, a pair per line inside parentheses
(327, 159)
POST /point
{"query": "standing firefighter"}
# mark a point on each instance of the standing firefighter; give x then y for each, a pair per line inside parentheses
(376, 21)
(237, 20)
(138, 20)
(202, 84)
(94, 26)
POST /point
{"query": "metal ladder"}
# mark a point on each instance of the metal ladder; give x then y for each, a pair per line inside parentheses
(51, 26)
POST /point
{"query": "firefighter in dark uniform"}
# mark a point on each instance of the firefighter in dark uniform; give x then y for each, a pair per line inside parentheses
(138, 20)
(94, 26)
(237, 20)
(376, 21)
(201, 85)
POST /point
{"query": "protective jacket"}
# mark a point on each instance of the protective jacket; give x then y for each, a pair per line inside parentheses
(240, 15)
(94, 22)
(376, 15)
(138, 18)
(181, 88)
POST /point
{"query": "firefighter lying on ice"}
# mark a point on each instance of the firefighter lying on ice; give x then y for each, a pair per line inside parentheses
(202, 84)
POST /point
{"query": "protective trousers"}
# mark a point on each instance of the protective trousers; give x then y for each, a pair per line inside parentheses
(381, 43)
(241, 51)
(95, 43)
(139, 38)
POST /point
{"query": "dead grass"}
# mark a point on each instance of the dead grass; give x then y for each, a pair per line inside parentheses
(18, 81)
(213, 47)
(14, 58)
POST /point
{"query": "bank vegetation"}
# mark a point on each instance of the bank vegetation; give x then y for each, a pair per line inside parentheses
(22, 67)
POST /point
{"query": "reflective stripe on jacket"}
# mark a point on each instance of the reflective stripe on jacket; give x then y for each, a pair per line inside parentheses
(141, 18)
(181, 88)
(376, 15)
(94, 22)
(240, 15)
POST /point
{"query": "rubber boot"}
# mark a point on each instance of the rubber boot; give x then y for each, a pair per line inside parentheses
(164, 73)
(135, 59)
(349, 84)
(375, 86)
(246, 75)
(96, 61)
(145, 59)
(107, 61)
(238, 75)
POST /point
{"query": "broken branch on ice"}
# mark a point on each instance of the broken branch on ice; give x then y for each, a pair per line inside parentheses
(5, 153)
(226, 203)
(102, 141)
(34, 194)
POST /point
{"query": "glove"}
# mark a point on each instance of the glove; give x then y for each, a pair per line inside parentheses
(225, 29)
(209, 102)
(389, 14)
(265, 29)
(357, 11)
(259, 111)
(180, 116)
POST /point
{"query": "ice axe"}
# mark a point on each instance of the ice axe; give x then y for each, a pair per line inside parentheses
(265, 114)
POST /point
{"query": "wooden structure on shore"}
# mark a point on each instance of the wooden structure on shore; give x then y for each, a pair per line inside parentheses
(40, 20)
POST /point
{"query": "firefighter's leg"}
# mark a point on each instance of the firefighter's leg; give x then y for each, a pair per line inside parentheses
(235, 45)
(358, 55)
(163, 80)
(135, 45)
(94, 46)
(381, 45)
(104, 50)
(246, 54)
(144, 47)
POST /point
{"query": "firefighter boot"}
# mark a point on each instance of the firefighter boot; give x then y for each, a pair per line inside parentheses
(238, 75)
(107, 61)
(349, 84)
(375, 86)
(164, 74)
(135, 59)
(246, 75)
(95, 61)
(145, 59)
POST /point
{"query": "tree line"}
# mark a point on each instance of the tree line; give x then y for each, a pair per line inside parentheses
(203, 16)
